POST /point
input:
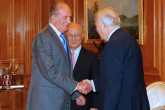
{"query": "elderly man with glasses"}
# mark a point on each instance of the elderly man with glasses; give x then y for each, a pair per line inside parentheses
(85, 65)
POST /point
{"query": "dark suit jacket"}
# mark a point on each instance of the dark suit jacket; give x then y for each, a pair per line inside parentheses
(51, 78)
(86, 68)
(121, 79)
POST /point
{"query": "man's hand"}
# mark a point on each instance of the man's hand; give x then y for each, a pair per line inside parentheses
(81, 101)
(93, 109)
(87, 81)
(84, 86)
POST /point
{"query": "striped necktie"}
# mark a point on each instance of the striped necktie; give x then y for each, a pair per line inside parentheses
(64, 43)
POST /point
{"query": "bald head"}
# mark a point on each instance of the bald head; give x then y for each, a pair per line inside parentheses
(76, 26)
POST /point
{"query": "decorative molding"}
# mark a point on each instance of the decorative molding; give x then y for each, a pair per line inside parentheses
(159, 37)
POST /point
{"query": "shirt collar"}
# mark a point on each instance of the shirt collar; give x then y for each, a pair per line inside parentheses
(55, 29)
(112, 32)
(77, 50)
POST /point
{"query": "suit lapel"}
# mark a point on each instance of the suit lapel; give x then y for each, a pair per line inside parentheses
(79, 60)
(70, 58)
(58, 41)
(69, 51)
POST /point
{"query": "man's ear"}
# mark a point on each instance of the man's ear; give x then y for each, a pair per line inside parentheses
(104, 26)
(82, 35)
(54, 18)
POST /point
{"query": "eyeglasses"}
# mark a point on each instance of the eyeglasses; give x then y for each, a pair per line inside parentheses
(76, 36)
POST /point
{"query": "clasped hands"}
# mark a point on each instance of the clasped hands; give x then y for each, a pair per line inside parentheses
(84, 86)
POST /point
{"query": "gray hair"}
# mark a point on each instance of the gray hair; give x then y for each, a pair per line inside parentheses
(54, 8)
(108, 16)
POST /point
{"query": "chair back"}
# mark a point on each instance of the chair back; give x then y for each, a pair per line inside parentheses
(156, 95)
(159, 108)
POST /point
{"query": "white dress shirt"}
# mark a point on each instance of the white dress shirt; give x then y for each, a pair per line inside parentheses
(57, 32)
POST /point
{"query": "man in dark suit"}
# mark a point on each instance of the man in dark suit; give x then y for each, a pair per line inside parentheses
(52, 83)
(120, 83)
(85, 65)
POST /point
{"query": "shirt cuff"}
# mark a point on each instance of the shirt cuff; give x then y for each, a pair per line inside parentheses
(94, 90)
(76, 88)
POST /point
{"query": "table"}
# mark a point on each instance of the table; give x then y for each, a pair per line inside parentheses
(12, 87)
(9, 96)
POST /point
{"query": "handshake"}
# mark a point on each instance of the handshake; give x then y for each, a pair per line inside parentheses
(84, 86)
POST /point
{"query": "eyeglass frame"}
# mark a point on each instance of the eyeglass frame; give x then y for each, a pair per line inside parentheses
(76, 36)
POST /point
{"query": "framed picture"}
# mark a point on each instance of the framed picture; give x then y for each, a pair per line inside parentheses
(130, 13)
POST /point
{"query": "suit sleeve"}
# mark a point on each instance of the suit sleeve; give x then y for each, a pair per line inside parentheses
(94, 74)
(112, 74)
(44, 58)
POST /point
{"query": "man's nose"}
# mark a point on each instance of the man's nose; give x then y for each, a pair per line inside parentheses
(68, 20)
(73, 37)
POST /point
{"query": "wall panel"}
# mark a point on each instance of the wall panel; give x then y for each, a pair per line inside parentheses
(32, 25)
(20, 21)
(6, 24)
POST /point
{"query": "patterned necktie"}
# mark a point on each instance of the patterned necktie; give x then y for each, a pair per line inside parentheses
(73, 60)
(64, 43)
